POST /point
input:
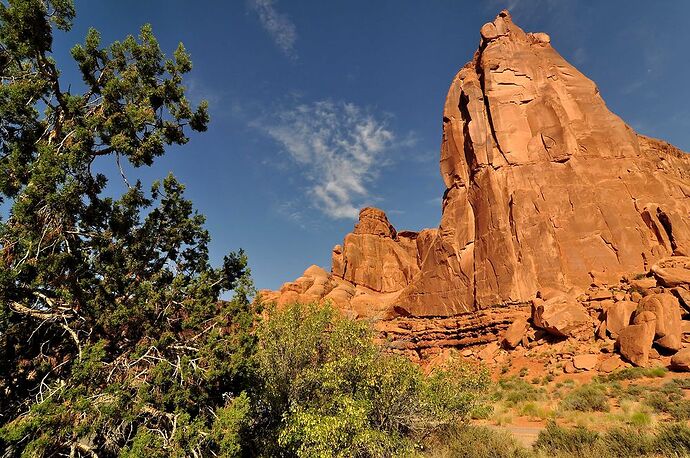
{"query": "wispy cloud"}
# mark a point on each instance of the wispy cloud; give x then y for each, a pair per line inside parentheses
(339, 148)
(435, 201)
(277, 24)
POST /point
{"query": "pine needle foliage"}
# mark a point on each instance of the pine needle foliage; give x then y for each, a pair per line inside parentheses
(112, 338)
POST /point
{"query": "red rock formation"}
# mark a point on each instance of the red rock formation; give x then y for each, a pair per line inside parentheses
(547, 191)
(546, 187)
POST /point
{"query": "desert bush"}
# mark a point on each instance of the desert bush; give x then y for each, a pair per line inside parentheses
(587, 398)
(683, 383)
(514, 390)
(631, 373)
(477, 442)
(677, 409)
(554, 440)
(672, 440)
(624, 443)
(668, 440)
(328, 390)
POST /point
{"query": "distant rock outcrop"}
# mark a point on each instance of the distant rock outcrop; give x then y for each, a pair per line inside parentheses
(547, 193)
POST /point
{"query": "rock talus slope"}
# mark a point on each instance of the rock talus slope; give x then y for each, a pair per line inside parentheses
(547, 192)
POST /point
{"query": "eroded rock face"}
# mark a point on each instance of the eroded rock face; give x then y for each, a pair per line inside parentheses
(673, 271)
(562, 317)
(635, 341)
(618, 316)
(559, 189)
(375, 256)
(665, 307)
(546, 190)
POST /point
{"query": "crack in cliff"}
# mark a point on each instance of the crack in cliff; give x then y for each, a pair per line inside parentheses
(467, 144)
(668, 227)
(611, 246)
(513, 227)
(470, 160)
(608, 243)
(487, 108)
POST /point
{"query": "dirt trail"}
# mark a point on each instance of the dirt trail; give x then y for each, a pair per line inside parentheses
(525, 435)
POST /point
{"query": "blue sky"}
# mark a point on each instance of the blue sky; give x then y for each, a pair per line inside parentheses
(319, 108)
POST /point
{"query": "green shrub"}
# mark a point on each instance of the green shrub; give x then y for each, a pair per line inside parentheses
(683, 383)
(635, 390)
(668, 399)
(482, 412)
(514, 390)
(624, 443)
(657, 401)
(477, 442)
(631, 373)
(575, 441)
(328, 390)
(587, 398)
(640, 419)
(672, 440)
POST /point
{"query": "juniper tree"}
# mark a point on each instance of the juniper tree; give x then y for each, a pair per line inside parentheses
(112, 338)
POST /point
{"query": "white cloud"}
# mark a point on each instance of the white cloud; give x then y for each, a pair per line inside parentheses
(277, 24)
(339, 148)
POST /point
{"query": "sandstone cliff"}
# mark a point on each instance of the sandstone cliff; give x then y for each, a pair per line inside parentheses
(548, 192)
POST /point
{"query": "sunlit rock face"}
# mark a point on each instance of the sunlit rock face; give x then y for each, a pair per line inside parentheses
(545, 186)
(547, 190)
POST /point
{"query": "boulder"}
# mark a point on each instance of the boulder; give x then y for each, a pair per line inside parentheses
(563, 317)
(683, 295)
(569, 367)
(488, 351)
(619, 316)
(515, 333)
(610, 364)
(635, 341)
(681, 360)
(672, 271)
(665, 307)
(642, 284)
(645, 317)
(585, 362)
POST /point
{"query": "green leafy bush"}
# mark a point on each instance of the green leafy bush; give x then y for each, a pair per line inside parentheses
(632, 373)
(668, 440)
(477, 442)
(575, 441)
(587, 398)
(514, 390)
(328, 390)
(672, 440)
